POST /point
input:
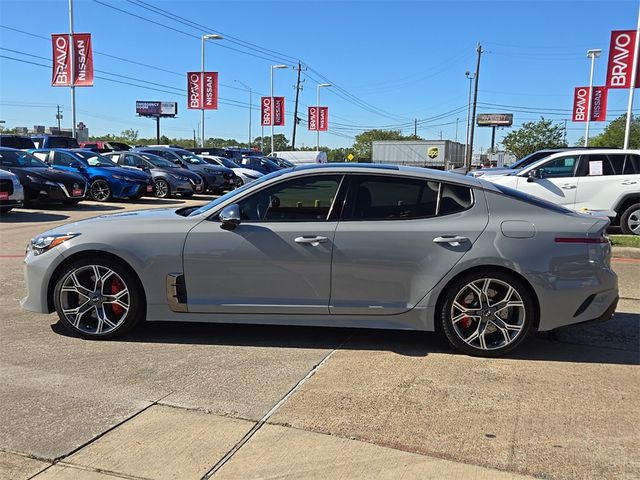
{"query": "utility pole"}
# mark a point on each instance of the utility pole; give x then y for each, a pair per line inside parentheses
(415, 127)
(457, 129)
(634, 77)
(58, 117)
(564, 136)
(295, 110)
(475, 105)
(194, 138)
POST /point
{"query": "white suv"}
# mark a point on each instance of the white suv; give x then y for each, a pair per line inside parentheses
(601, 181)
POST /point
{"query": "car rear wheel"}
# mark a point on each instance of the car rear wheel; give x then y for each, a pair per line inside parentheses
(162, 188)
(487, 313)
(98, 298)
(630, 220)
(100, 190)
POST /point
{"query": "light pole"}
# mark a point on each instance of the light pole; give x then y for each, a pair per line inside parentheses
(211, 36)
(72, 72)
(273, 67)
(320, 85)
(592, 54)
(250, 100)
(466, 143)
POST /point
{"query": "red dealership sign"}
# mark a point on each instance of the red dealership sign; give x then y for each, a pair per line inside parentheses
(313, 118)
(266, 111)
(323, 119)
(621, 51)
(598, 104)
(278, 111)
(82, 60)
(194, 90)
(210, 90)
(61, 74)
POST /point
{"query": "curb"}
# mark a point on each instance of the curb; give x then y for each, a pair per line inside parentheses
(625, 252)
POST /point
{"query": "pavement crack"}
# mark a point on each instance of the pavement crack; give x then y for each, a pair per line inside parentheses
(247, 436)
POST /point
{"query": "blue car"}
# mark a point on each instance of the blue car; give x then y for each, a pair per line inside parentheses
(106, 179)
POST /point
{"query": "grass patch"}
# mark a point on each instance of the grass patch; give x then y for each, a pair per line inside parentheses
(625, 240)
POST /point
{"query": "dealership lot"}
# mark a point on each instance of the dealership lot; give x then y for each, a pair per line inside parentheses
(188, 400)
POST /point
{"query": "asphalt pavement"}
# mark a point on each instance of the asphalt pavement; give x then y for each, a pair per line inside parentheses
(180, 400)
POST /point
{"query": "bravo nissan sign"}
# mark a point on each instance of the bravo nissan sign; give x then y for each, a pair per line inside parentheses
(620, 66)
(63, 51)
(598, 104)
(202, 90)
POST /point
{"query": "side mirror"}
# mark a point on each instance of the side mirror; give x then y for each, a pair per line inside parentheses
(76, 165)
(533, 174)
(230, 217)
(142, 167)
(178, 162)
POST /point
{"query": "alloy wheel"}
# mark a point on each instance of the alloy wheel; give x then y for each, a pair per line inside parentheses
(162, 188)
(100, 190)
(633, 222)
(94, 299)
(488, 314)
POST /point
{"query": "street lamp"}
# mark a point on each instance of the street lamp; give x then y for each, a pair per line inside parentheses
(466, 143)
(273, 67)
(210, 36)
(250, 100)
(592, 54)
(320, 85)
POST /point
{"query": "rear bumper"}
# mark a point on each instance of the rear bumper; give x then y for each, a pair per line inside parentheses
(606, 316)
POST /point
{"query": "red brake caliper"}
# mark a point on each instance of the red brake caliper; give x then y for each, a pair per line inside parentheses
(466, 321)
(116, 287)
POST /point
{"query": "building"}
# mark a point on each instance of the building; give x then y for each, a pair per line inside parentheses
(440, 154)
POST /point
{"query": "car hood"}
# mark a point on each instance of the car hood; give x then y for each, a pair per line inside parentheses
(49, 174)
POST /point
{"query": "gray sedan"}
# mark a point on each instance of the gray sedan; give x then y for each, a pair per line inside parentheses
(338, 245)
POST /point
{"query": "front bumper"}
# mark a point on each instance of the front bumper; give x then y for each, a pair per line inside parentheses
(43, 193)
(131, 189)
(37, 275)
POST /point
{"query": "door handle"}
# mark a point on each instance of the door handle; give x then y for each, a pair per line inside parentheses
(314, 241)
(628, 182)
(453, 241)
(568, 187)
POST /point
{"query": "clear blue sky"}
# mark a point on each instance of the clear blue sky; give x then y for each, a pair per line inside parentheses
(392, 61)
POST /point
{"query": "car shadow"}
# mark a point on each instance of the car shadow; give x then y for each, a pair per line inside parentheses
(18, 216)
(85, 206)
(605, 343)
(151, 201)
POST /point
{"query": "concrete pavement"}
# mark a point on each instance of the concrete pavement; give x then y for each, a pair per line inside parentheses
(181, 400)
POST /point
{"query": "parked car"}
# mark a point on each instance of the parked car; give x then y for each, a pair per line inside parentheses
(523, 162)
(216, 179)
(41, 183)
(600, 181)
(168, 178)
(281, 162)
(106, 179)
(244, 175)
(102, 146)
(260, 164)
(54, 141)
(11, 191)
(341, 245)
(16, 141)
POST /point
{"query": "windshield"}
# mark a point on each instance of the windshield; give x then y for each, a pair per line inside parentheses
(529, 159)
(282, 162)
(158, 161)
(235, 192)
(93, 159)
(9, 158)
(189, 157)
(226, 162)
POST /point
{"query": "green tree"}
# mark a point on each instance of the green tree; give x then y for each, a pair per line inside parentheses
(362, 145)
(533, 136)
(129, 135)
(613, 134)
(280, 143)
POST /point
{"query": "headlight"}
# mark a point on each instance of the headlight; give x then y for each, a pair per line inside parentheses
(41, 181)
(126, 179)
(179, 177)
(43, 243)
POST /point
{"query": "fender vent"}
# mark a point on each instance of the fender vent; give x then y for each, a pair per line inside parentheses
(176, 292)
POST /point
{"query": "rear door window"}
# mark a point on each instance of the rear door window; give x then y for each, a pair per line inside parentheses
(595, 165)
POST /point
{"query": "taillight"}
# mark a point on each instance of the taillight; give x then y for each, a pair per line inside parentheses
(601, 239)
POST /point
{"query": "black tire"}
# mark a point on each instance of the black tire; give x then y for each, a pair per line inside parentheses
(5, 210)
(70, 202)
(630, 220)
(162, 188)
(100, 190)
(516, 325)
(120, 280)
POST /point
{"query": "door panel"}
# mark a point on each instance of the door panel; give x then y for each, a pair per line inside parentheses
(385, 267)
(559, 183)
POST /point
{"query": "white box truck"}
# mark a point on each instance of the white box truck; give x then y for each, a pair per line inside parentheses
(301, 158)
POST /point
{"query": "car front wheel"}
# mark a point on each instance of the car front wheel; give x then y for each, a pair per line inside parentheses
(98, 298)
(487, 313)
(162, 188)
(630, 220)
(100, 190)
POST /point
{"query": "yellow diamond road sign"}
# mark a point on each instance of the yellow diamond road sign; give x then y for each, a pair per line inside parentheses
(350, 157)
(432, 152)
